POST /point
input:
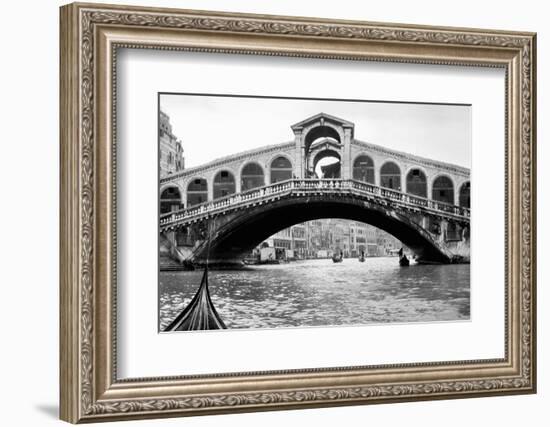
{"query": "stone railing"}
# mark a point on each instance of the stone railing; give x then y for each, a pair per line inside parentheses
(309, 186)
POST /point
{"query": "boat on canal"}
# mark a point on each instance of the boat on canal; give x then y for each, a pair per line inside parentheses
(403, 260)
(200, 314)
(338, 257)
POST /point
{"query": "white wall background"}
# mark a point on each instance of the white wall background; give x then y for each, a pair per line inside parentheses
(29, 170)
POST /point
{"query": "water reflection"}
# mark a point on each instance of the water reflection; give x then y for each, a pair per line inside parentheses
(321, 293)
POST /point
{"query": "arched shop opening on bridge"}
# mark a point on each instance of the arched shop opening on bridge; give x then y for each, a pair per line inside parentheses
(363, 169)
(390, 176)
(224, 184)
(464, 195)
(252, 176)
(443, 190)
(197, 192)
(417, 184)
(281, 169)
(170, 200)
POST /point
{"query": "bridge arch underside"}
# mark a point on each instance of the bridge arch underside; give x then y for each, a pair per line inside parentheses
(236, 234)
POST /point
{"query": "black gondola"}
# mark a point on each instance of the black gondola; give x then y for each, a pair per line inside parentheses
(338, 258)
(200, 314)
(403, 260)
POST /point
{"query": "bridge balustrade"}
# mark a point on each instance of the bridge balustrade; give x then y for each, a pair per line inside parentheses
(391, 194)
(311, 185)
(366, 187)
(420, 201)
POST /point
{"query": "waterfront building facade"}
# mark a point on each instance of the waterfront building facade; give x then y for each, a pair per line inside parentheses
(171, 158)
(290, 239)
(323, 237)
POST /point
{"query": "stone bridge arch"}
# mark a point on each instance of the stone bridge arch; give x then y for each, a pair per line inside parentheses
(234, 235)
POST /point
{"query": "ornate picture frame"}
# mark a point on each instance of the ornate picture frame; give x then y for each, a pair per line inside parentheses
(90, 37)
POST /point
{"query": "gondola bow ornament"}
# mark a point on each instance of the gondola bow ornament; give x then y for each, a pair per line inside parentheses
(200, 314)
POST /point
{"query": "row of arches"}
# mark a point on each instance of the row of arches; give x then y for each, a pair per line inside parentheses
(252, 176)
(416, 182)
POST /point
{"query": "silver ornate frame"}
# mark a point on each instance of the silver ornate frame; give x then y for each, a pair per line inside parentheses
(90, 36)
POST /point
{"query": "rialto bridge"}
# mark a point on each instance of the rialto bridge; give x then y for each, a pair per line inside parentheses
(225, 208)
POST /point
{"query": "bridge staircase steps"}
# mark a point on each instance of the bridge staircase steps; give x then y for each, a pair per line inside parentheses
(167, 263)
(170, 259)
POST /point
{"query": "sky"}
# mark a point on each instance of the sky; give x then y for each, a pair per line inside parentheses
(211, 127)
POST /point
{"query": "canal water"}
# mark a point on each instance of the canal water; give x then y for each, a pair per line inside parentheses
(322, 293)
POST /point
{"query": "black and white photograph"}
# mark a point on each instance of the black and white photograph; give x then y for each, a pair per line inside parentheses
(298, 212)
(285, 213)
